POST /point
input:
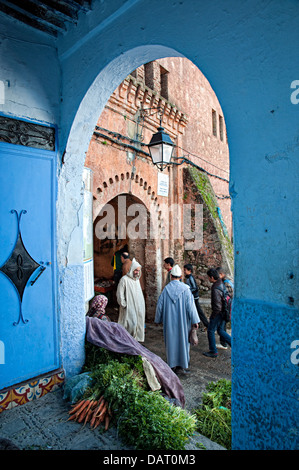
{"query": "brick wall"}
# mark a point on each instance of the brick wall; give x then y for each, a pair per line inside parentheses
(121, 166)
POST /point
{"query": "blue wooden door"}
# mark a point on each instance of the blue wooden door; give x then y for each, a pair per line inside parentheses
(28, 319)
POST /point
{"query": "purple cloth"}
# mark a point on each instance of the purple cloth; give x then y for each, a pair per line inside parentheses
(114, 337)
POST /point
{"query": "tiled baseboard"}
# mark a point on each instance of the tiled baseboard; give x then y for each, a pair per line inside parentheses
(20, 394)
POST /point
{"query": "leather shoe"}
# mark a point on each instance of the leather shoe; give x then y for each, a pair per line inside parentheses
(180, 370)
(210, 354)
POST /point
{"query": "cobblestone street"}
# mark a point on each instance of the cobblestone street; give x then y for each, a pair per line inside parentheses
(42, 424)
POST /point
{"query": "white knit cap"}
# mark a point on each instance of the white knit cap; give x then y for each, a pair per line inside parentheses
(176, 271)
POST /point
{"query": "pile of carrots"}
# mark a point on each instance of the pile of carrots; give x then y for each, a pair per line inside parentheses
(92, 411)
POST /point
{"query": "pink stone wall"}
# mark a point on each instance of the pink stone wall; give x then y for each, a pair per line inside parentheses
(119, 158)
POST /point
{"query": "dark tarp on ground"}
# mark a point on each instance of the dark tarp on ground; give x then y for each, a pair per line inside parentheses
(114, 337)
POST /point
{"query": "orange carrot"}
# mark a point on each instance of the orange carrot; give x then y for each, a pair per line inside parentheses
(107, 419)
(90, 405)
(78, 410)
(76, 406)
(97, 422)
(87, 418)
(90, 412)
(102, 408)
(92, 420)
(99, 408)
(100, 399)
(101, 417)
(103, 411)
(82, 416)
(72, 417)
(85, 404)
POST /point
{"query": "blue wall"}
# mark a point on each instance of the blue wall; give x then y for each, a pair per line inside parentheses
(265, 403)
(248, 52)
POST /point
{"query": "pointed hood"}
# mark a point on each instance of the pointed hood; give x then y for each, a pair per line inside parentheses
(134, 266)
(175, 289)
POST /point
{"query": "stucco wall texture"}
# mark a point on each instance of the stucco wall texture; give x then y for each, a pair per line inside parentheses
(247, 52)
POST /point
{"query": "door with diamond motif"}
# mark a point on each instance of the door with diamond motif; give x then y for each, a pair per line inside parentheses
(28, 322)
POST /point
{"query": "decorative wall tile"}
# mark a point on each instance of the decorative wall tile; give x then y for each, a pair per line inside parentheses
(5, 400)
(23, 393)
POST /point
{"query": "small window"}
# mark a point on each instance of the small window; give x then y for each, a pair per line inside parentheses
(149, 75)
(164, 82)
(221, 127)
(214, 122)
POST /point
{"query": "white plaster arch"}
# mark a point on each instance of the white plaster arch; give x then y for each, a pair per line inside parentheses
(102, 87)
(70, 199)
(247, 52)
(91, 106)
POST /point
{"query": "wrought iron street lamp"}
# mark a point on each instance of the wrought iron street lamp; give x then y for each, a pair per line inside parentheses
(161, 148)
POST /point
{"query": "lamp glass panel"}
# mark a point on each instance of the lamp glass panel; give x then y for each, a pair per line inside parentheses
(156, 153)
(167, 151)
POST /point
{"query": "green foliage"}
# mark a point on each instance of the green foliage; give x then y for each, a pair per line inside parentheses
(214, 417)
(205, 188)
(218, 394)
(144, 419)
(215, 424)
(95, 356)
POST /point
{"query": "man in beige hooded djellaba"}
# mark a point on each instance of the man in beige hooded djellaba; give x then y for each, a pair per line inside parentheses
(131, 302)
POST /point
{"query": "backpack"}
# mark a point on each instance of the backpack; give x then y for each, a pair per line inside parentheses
(226, 304)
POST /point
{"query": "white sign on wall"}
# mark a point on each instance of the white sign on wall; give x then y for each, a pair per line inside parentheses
(163, 184)
(88, 235)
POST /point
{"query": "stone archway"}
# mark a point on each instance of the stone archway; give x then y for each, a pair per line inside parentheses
(66, 82)
(70, 191)
(225, 43)
(125, 221)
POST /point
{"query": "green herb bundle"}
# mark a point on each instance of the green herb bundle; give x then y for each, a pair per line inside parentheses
(214, 417)
(144, 419)
(218, 394)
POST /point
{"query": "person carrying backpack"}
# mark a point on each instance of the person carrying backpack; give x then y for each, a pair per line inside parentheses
(229, 293)
(190, 281)
(216, 318)
(229, 285)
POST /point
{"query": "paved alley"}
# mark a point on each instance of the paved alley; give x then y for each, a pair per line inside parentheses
(43, 424)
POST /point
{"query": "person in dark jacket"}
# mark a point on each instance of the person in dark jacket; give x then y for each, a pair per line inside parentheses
(116, 263)
(229, 286)
(168, 265)
(216, 323)
(190, 281)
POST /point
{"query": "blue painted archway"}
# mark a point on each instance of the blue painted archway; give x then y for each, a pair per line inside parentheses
(247, 50)
(238, 49)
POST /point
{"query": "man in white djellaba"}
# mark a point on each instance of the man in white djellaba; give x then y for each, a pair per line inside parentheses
(131, 302)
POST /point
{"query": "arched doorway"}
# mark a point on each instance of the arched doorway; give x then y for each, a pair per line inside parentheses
(252, 162)
(79, 140)
(123, 223)
(118, 158)
(237, 46)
